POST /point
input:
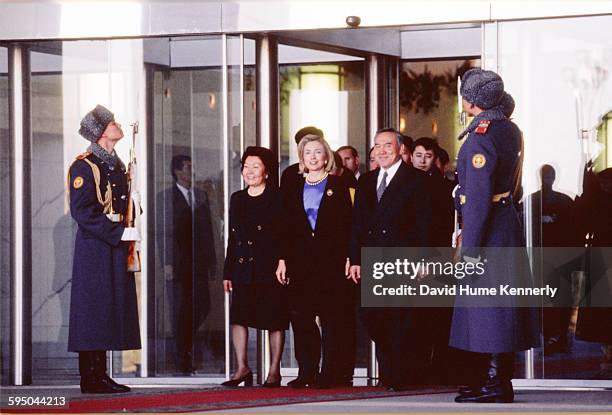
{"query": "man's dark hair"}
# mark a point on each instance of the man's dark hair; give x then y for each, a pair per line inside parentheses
(443, 156)
(398, 136)
(428, 144)
(311, 129)
(177, 163)
(353, 150)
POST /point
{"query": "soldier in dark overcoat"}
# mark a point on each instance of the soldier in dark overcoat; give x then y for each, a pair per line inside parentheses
(103, 307)
(488, 164)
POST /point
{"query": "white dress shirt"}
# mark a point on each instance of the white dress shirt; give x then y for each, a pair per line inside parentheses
(390, 173)
(185, 192)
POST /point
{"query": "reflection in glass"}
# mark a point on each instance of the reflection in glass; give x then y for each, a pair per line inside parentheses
(189, 313)
(571, 136)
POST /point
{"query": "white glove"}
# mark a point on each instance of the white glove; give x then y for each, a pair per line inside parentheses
(130, 234)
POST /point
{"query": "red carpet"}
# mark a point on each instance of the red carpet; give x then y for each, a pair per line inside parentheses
(218, 399)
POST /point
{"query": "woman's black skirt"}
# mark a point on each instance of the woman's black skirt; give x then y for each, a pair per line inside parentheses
(261, 306)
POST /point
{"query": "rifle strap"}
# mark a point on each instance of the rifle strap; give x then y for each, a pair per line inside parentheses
(107, 201)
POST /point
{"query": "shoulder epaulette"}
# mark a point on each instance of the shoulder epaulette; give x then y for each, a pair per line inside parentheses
(483, 126)
(83, 155)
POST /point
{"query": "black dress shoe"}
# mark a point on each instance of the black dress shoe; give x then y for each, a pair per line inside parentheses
(247, 379)
(301, 383)
(92, 367)
(492, 392)
(275, 384)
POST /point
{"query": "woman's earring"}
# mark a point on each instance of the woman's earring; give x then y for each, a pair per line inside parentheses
(325, 162)
(266, 177)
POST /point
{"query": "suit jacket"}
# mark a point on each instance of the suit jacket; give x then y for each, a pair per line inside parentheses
(317, 257)
(401, 218)
(184, 238)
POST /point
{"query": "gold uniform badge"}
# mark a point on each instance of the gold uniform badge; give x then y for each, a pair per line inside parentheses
(478, 161)
(78, 182)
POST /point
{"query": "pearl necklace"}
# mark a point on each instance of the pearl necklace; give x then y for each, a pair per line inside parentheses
(308, 182)
(256, 194)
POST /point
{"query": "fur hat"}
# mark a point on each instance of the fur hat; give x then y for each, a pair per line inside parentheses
(482, 88)
(507, 104)
(95, 122)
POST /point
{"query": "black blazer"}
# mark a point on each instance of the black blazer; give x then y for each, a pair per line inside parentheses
(252, 249)
(401, 219)
(185, 236)
(317, 256)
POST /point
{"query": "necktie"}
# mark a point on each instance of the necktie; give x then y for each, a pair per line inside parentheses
(189, 198)
(382, 187)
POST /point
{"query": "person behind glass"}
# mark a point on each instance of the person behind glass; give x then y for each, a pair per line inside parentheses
(183, 229)
(103, 307)
(313, 264)
(372, 163)
(258, 301)
(487, 167)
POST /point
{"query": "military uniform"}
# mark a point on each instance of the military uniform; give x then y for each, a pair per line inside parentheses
(486, 167)
(103, 308)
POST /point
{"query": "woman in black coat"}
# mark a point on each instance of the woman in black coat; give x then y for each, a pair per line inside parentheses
(314, 251)
(250, 264)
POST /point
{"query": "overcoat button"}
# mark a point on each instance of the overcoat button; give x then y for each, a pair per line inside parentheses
(384, 231)
(240, 260)
(312, 233)
(123, 197)
(251, 259)
(250, 242)
(258, 227)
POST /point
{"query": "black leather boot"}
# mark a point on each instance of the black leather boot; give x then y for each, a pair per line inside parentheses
(497, 387)
(92, 367)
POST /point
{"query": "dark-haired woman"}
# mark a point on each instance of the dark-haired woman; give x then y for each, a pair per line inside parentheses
(250, 264)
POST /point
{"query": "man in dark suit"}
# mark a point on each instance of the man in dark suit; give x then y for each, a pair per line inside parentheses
(186, 247)
(392, 209)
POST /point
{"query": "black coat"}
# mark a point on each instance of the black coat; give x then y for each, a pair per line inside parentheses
(401, 219)
(252, 249)
(103, 307)
(316, 259)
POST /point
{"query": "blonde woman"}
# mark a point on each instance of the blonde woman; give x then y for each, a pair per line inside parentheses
(314, 251)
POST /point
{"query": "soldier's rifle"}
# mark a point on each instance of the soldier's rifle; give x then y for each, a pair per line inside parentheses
(132, 217)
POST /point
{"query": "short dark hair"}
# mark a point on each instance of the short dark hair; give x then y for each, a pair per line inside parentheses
(177, 163)
(427, 143)
(443, 156)
(353, 150)
(302, 132)
(398, 136)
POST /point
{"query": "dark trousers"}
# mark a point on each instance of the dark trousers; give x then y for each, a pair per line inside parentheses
(402, 351)
(335, 342)
(184, 324)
